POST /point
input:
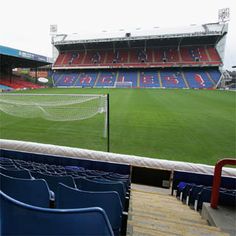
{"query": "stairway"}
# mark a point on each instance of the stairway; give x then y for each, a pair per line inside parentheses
(185, 80)
(153, 211)
(212, 81)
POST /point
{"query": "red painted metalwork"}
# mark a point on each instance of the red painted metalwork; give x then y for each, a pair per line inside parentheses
(217, 180)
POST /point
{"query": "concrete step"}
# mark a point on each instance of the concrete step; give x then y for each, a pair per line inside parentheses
(154, 211)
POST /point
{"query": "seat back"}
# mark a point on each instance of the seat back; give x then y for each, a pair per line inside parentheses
(23, 219)
(109, 201)
(34, 192)
(24, 174)
(89, 185)
(53, 181)
(8, 166)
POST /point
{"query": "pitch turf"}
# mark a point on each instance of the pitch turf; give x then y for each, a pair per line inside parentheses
(186, 125)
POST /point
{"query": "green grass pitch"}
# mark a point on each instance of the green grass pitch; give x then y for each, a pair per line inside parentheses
(186, 125)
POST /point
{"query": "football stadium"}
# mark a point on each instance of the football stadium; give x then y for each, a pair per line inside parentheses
(120, 133)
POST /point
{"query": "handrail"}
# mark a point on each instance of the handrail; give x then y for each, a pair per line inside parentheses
(217, 180)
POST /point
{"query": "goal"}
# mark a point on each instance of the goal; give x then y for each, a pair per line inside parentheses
(124, 84)
(57, 107)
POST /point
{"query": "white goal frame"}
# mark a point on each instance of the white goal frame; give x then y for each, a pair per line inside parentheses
(123, 84)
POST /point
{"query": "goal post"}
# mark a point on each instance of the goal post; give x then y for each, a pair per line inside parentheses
(57, 107)
(123, 84)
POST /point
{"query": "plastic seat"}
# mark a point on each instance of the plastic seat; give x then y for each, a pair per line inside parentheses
(34, 192)
(203, 196)
(5, 161)
(104, 179)
(18, 218)
(227, 198)
(123, 180)
(180, 188)
(184, 193)
(24, 174)
(90, 185)
(193, 193)
(53, 181)
(116, 175)
(109, 201)
(8, 166)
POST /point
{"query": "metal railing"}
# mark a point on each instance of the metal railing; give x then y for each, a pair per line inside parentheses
(217, 180)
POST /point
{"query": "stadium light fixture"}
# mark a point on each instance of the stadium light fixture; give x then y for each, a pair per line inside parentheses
(224, 15)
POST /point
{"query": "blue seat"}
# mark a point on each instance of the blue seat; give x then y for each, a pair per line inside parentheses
(225, 197)
(24, 174)
(34, 192)
(18, 218)
(180, 188)
(96, 173)
(125, 181)
(6, 162)
(185, 191)
(9, 166)
(109, 201)
(117, 175)
(104, 179)
(90, 185)
(53, 180)
(4, 159)
(193, 193)
(200, 179)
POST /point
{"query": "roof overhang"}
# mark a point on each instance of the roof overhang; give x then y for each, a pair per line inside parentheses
(18, 58)
(206, 30)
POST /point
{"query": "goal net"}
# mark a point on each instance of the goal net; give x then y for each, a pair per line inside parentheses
(54, 107)
(124, 84)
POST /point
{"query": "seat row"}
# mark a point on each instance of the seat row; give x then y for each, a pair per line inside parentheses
(18, 218)
(191, 78)
(138, 56)
(16, 82)
(196, 188)
(66, 191)
(194, 195)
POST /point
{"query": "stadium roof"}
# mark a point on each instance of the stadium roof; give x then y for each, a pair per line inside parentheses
(19, 58)
(212, 29)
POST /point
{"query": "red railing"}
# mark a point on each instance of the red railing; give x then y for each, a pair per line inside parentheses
(217, 179)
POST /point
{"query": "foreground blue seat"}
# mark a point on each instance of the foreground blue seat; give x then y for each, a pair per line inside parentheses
(89, 185)
(109, 201)
(18, 218)
(24, 174)
(34, 192)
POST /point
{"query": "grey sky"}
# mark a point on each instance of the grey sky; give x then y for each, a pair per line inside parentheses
(24, 24)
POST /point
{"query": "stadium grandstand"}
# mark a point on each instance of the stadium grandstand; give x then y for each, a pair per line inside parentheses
(189, 57)
(47, 189)
(14, 58)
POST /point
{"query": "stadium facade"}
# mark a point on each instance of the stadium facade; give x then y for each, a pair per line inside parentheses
(12, 58)
(189, 57)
